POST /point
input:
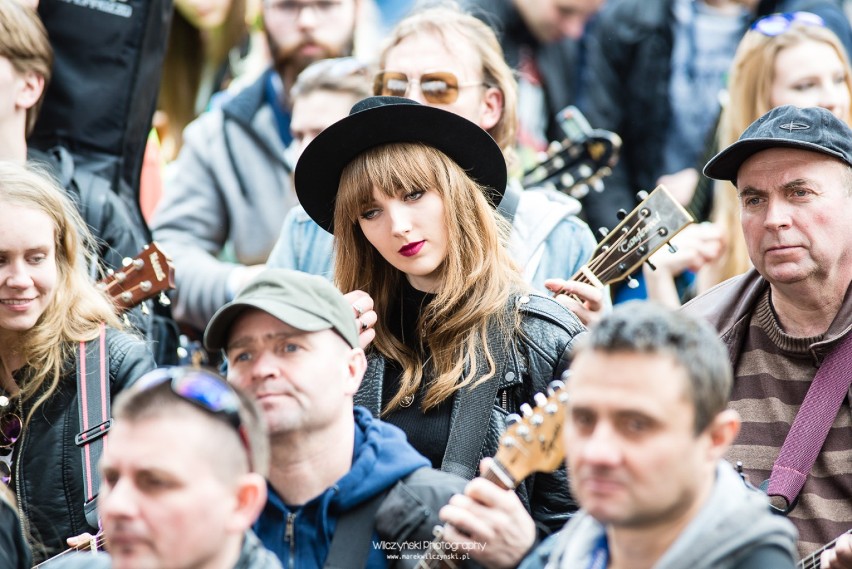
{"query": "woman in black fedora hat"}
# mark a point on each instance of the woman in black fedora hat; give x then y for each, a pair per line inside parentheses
(410, 193)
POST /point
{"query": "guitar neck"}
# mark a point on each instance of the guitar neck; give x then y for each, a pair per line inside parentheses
(812, 561)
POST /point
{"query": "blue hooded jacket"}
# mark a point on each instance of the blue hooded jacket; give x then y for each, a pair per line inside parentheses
(381, 457)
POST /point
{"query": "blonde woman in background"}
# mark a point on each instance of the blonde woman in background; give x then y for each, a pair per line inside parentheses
(784, 59)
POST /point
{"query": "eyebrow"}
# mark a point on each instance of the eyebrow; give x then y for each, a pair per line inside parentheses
(250, 340)
(791, 185)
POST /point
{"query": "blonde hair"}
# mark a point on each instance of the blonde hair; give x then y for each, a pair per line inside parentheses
(24, 42)
(751, 78)
(449, 23)
(77, 307)
(478, 277)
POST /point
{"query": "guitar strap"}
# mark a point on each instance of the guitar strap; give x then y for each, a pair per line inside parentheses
(93, 402)
(353, 536)
(811, 425)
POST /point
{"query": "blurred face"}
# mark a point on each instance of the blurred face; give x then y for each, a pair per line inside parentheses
(161, 505)
(811, 74)
(303, 31)
(410, 233)
(426, 52)
(204, 14)
(303, 381)
(28, 272)
(313, 112)
(630, 444)
(552, 20)
(795, 215)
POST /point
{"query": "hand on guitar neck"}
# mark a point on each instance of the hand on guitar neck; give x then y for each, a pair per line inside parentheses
(837, 557)
(488, 521)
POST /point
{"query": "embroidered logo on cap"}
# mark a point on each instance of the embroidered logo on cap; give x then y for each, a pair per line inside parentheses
(791, 126)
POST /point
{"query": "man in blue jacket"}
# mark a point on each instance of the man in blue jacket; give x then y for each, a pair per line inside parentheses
(344, 488)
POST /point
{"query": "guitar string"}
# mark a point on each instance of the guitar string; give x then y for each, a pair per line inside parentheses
(98, 538)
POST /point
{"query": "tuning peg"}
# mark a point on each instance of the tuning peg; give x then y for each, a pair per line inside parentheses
(603, 231)
(632, 283)
(641, 195)
(526, 410)
(567, 180)
(672, 248)
(580, 191)
(597, 185)
(554, 147)
(557, 384)
(621, 213)
(585, 170)
(540, 399)
(164, 300)
(513, 418)
(650, 264)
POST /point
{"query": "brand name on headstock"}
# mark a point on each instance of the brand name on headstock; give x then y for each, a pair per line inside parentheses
(641, 234)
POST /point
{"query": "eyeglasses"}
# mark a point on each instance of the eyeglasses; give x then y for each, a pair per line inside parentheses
(438, 87)
(203, 389)
(775, 24)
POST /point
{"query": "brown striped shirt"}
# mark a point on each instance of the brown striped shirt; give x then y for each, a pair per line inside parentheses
(771, 379)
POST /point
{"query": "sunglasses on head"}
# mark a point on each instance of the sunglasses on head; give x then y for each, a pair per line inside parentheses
(438, 87)
(205, 390)
(776, 24)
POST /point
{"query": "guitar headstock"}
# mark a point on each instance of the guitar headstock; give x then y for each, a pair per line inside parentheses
(657, 219)
(533, 442)
(145, 276)
(577, 162)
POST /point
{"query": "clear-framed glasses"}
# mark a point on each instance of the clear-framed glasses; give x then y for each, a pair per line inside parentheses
(438, 87)
(294, 8)
(775, 24)
(205, 389)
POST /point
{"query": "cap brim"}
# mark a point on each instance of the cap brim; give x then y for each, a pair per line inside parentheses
(219, 327)
(726, 164)
(318, 170)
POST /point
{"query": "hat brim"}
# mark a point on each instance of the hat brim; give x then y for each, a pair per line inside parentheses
(318, 170)
(726, 164)
(216, 334)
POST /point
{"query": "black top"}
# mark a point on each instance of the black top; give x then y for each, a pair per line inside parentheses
(427, 432)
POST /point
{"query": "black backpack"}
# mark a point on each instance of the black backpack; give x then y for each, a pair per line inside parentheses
(94, 124)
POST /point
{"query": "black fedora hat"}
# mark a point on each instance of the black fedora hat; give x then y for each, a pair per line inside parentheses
(381, 120)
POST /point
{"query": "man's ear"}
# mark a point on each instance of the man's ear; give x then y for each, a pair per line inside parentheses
(356, 366)
(31, 90)
(491, 108)
(250, 499)
(723, 429)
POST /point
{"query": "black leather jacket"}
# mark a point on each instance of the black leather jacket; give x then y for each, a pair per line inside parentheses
(478, 418)
(48, 466)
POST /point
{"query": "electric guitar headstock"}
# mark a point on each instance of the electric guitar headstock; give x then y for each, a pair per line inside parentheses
(147, 275)
(532, 442)
(579, 161)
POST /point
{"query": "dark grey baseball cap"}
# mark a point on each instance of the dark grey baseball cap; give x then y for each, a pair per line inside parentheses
(811, 128)
(305, 302)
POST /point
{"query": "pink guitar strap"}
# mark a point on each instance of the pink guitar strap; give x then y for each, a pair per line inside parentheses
(93, 402)
(812, 423)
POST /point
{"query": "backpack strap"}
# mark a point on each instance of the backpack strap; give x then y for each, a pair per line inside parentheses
(352, 541)
(93, 399)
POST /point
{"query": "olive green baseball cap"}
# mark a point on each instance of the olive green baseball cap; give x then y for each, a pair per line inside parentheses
(305, 302)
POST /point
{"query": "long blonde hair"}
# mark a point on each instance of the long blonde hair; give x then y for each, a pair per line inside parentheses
(478, 277)
(77, 307)
(751, 78)
(449, 23)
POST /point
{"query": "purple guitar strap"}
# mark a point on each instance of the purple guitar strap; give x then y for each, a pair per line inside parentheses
(812, 423)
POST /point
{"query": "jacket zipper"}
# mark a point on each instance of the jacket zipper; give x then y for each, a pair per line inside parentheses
(505, 399)
(291, 539)
(23, 521)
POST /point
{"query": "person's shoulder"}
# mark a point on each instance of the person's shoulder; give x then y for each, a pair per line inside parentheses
(83, 561)
(538, 310)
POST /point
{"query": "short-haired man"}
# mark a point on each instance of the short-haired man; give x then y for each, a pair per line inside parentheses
(183, 477)
(780, 321)
(229, 188)
(343, 487)
(646, 430)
